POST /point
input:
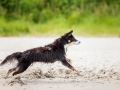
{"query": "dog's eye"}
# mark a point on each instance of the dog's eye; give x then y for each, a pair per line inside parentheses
(69, 41)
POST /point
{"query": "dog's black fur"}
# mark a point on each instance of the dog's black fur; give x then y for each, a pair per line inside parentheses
(48, 54)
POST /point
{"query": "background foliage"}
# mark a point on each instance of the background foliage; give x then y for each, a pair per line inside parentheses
(51, 17)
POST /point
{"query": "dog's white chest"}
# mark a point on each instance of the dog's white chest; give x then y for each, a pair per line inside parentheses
(66, 47)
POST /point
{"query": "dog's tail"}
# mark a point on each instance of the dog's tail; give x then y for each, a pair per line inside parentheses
(10, 58)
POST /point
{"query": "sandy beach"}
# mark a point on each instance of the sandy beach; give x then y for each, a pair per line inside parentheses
(96, 58)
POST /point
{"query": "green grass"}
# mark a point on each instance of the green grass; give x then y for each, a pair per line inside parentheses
(55, 17)
(87, 26)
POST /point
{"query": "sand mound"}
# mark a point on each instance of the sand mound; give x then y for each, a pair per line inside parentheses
(85, 73)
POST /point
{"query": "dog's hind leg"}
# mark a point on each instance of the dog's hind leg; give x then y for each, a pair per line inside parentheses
(10, 71)
(65, 63)
(21, 68)
(17, 71)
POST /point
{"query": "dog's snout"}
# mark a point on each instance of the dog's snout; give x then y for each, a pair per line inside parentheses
(77, 42)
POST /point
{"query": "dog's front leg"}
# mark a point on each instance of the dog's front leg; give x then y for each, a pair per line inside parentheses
(68, 60)
(65, 63)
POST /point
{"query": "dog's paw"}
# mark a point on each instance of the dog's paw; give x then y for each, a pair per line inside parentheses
(74, 70)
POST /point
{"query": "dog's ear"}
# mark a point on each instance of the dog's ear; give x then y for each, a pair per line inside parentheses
(66, 35)
(69, 33)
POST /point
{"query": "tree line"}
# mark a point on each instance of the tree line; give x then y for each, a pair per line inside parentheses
(44, 10)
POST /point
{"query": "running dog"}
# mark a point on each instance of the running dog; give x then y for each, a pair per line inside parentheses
(50, 53)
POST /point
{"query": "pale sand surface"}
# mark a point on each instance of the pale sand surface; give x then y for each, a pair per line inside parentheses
(97, 59)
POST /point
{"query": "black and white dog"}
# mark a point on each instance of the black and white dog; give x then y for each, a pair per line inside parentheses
(50, 53)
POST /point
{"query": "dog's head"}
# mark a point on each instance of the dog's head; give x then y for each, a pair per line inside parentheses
(68, 39)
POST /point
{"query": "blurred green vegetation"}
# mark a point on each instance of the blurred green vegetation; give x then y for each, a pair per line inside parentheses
(53, 17)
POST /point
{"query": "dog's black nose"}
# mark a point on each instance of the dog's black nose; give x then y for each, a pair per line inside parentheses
(77, 42)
